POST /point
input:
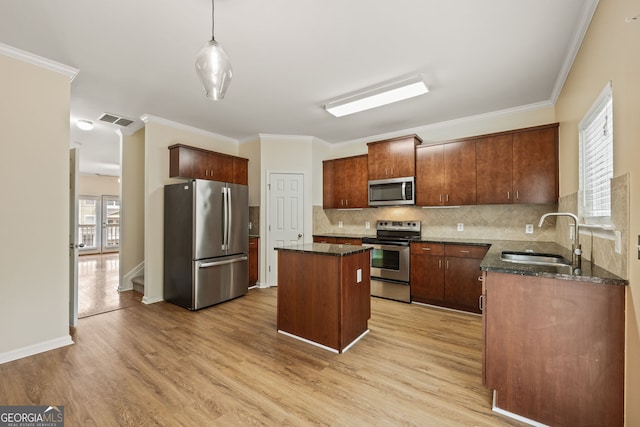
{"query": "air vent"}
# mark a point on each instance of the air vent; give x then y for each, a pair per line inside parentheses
(116, 120)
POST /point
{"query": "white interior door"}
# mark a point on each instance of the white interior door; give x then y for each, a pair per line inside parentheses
(285, 223)
(73, 237)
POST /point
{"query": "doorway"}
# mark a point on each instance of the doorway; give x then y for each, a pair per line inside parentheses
(99, 224)
(285, 217)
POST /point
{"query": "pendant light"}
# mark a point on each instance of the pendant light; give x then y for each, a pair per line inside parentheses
(213, 66)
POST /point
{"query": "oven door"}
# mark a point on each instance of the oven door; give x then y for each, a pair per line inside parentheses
(390, 262)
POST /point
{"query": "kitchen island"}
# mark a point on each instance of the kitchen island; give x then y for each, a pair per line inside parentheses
(324, 293)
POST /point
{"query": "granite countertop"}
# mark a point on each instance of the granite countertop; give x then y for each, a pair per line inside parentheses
(325, 249)
(588, 272)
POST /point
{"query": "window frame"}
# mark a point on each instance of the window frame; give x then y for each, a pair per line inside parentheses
(601, 103)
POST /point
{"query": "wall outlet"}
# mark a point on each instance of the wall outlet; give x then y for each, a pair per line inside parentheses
(528, 229)
(359, 275)
(339, 224)
(250, 225)
(367, 224)
(460, 226)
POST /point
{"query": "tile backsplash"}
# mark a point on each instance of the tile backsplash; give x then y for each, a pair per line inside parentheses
(496, 222)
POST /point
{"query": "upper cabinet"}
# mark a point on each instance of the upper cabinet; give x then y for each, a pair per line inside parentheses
(344, 183)
(519, 166)
(446, 174)
(393, 158)
(197, 163)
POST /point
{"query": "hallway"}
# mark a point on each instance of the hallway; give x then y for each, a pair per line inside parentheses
(98, 285)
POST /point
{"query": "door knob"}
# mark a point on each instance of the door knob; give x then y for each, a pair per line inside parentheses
(299, 236)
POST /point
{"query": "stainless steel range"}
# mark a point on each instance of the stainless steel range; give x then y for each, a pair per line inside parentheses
(390, 257)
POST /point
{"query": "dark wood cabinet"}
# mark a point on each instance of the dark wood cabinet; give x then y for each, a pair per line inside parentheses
(518, 166)
(322, 298)
(535, 165)
(197, 163)
(447, 275)
(337, 240)
(253, 260)
(427, 273)
(446, 174)
(494, 169)
(554, 349)
(344, 183)
(392, 158)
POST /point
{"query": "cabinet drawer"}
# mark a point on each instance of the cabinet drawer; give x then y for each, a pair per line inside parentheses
(348, 241)
(465, 251)
(322, 239)
(427, 248)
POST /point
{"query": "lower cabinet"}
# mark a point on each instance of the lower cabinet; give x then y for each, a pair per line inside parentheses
(447, 275)
(554, 349)
(253, 260)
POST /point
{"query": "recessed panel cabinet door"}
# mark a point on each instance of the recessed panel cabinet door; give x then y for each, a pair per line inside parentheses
(430, 175)
(535, 166)
(460, 173)
(494, 166)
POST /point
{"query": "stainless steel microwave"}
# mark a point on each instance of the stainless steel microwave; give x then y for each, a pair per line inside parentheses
(392, 191)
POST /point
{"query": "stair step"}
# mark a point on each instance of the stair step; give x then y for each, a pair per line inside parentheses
(138, 284)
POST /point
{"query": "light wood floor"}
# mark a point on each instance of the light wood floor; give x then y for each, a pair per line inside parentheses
(98, 277)
(226, 365)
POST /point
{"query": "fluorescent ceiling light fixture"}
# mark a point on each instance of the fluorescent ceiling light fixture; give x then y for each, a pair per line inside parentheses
(84, 124)
(378, 96)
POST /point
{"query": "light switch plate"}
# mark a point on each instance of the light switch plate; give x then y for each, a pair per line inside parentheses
(528, 229)
(460, 226)
(367, 224)
(359, 275)
(339, 224)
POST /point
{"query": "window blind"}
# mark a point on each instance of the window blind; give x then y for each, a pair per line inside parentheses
(596, 157)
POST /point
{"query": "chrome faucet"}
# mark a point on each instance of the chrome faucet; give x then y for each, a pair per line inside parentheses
(576, 249)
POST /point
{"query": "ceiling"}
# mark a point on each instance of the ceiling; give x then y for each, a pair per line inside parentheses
(290, 57)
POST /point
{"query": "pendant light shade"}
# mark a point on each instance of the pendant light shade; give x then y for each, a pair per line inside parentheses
(213, 67)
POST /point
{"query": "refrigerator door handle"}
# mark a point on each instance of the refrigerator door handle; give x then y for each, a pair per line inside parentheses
(225, 221)
(225, 262)
(229, 223)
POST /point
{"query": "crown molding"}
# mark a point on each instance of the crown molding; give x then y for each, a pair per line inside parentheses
(148, 118)
(574, 47)
(38, 61)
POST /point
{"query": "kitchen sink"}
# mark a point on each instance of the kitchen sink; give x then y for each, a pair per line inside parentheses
(535, 258)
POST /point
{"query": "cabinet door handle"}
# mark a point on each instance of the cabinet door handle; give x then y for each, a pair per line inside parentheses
(464, 252)
(447, 264)
(481, 302)
(426, 249)
(439, 264)
(517, 195)
(447, 197)
(508, 195)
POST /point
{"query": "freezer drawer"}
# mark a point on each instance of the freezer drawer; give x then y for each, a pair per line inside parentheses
(219, 279)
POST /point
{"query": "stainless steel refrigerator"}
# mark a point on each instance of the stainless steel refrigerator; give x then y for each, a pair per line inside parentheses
(206, 241)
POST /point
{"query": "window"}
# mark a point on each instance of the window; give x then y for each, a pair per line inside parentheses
(596, 160)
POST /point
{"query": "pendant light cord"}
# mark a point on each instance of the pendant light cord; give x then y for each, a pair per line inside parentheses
(212, 20)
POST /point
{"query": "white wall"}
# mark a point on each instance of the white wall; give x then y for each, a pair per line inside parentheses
(34, 219)
(96, 185)
(159, 135)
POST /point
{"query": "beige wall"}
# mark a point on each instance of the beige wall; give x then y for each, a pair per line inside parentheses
(251, 150)
(160, 134)
(34, 302)
(610, 52)
(132, 213)
(95, 185)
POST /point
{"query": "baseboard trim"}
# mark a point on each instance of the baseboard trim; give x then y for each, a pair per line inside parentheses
(31, 350)
(147, 300)
(126, 283)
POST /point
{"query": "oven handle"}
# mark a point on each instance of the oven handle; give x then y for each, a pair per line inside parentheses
(387, 247)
